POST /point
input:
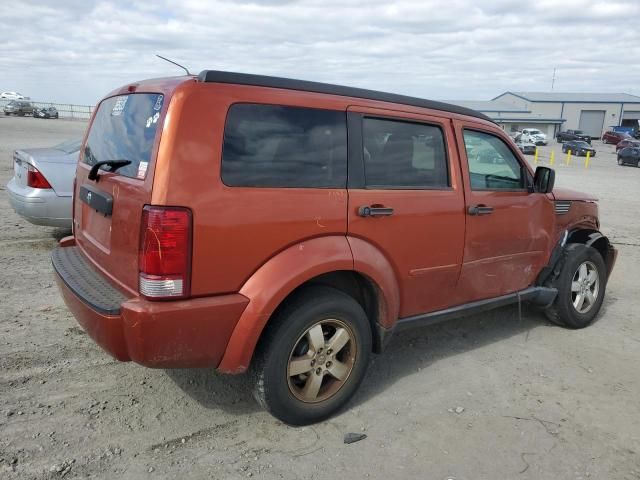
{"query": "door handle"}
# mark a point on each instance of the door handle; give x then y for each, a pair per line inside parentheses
(480, 210)
(367, 211)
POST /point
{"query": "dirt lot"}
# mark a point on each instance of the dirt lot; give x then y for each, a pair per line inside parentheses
(490, 396)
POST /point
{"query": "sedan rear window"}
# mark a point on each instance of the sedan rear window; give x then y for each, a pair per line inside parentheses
(124, 128)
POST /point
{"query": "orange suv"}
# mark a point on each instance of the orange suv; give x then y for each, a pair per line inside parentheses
(289, 228)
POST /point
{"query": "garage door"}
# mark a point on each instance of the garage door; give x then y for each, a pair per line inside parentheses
(591, 122)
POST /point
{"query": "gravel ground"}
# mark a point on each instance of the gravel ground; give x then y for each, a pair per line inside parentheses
(488, 396)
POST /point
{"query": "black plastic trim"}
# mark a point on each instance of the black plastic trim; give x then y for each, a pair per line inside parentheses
(217, 76)
(90, 286)
(97, 199)
(538, 295)
(355, 151)
(554, 260)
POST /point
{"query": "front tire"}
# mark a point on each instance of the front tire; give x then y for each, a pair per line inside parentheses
(581, 287)
(312, 357)
(620, 161)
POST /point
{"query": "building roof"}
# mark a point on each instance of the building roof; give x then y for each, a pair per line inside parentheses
(217, 76)
(489, 106)
(575, 97)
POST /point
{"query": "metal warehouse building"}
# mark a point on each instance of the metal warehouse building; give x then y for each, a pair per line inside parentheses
(552, 112)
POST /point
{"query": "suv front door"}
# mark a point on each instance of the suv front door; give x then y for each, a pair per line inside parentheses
(509, 230)
(406, 200)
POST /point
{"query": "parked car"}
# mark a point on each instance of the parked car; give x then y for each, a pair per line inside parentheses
(629, 156)
(629, 142)
(284, 266)
(45, 112)
(18, 107)
(526, 147)
(535, 136)
(578, 147)
(42, 185)
(569, 135)
(11, 96)
(615, 137)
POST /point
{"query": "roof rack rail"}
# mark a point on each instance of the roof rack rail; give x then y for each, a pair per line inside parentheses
(217, 76)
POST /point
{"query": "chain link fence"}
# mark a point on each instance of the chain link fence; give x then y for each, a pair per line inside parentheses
(65, 110)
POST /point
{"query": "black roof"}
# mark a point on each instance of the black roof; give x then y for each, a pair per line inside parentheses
(217, 76)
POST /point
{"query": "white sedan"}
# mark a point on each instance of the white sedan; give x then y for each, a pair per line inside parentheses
(11, 96)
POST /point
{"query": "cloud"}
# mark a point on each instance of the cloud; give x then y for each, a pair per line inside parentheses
(77, 51)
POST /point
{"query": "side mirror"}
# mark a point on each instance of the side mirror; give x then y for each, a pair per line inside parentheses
(544, 179)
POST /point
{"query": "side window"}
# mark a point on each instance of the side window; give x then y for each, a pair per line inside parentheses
(403, 155)
(492, 164)
(280, 146)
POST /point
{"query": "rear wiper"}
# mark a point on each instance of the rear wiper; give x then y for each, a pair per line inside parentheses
(112, 164)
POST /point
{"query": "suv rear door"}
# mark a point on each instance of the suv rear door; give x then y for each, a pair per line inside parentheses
(406, 199)
(508, 229)
(107, 211)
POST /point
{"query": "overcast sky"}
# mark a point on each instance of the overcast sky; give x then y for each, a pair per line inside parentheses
(78, 50)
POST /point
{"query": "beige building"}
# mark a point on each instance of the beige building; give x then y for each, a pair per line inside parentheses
(552, 112)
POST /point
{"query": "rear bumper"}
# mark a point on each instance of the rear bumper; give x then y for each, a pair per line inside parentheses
(40, 206)
(171, 334)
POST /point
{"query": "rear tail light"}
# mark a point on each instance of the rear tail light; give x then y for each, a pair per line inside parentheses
(35, 179)
(165, 252)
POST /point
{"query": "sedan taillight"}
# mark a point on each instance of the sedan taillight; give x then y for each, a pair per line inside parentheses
(165, 252)
(35, 179)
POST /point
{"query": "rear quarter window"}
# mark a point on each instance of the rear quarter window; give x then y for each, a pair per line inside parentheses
(282, 146)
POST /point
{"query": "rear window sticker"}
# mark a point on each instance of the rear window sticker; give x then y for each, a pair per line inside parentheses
(149, 121)
(118, 107)
(142, 169)
(156, 117)
(158, 104)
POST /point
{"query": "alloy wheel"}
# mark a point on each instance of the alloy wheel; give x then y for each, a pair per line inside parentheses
(321, 361)
(585, 287)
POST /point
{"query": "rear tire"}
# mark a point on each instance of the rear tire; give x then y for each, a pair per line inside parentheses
(581, 287)
(620, 161)
(300, 339)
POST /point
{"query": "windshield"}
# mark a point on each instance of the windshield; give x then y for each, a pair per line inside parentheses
(578, 132)
(535, 132)
(124, 128)
(69, 146)
(582, 144)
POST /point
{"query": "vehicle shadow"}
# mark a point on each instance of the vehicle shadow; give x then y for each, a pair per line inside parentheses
(213, 390)
(407, 352)
(60, 233)
(418, 349)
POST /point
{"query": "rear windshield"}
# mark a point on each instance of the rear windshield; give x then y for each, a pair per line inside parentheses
(124, 128)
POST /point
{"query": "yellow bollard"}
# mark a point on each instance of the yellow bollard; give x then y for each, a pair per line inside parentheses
(552, 158)
(568, 156)
(586, 161)
(535, 156)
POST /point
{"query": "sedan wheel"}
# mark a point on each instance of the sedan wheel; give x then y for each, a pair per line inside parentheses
(620, 161)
